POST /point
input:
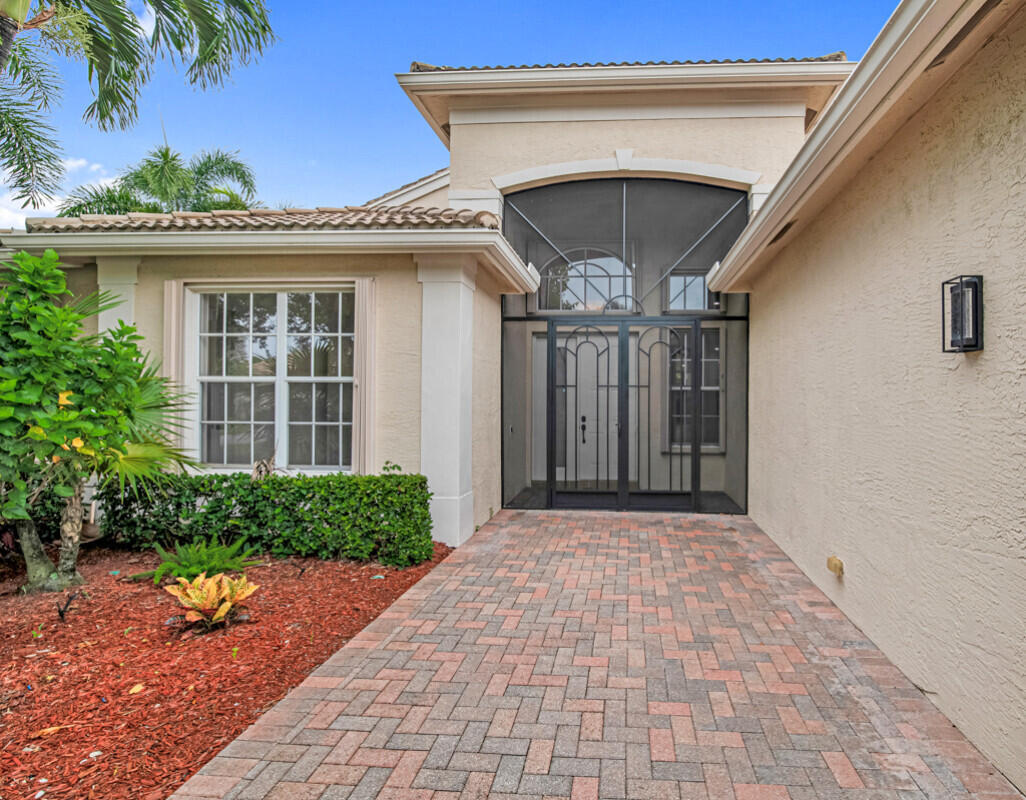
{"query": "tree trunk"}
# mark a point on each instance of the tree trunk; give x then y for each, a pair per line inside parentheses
(8, 30)
(71, 538)
(41, 575)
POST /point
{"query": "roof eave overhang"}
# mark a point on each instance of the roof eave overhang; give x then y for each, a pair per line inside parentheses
(787, 74)
(489, 246)
(864, 106)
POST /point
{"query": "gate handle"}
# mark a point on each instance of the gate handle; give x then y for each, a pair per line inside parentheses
(584, 421)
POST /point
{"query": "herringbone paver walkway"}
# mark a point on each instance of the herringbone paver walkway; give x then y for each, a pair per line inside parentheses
(591, 655)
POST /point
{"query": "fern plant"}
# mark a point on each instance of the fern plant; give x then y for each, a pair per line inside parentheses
(191, 560)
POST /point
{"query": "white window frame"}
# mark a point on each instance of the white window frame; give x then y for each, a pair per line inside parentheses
(711, 449)
(182, 359)
(688, 272)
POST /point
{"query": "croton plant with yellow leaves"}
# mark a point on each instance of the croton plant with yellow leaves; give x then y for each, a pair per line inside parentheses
(214, 600)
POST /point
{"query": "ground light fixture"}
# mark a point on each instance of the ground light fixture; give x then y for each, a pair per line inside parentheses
(962, 307)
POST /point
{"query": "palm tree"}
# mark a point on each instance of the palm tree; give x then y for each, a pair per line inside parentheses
(210, 36)
(163, 181)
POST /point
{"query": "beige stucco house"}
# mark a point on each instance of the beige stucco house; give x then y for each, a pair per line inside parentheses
(412, 329)
(695, 286)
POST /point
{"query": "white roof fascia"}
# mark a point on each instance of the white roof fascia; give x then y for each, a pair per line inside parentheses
(616, 78)
(912, 38)
(489, 245)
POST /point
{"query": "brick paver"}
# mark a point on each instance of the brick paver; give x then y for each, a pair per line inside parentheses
(591, 655)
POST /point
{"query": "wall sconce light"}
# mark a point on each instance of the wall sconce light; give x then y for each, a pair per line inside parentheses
(962, 305)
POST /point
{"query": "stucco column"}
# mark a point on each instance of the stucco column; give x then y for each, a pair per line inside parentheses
(446, 389)
(118, 276)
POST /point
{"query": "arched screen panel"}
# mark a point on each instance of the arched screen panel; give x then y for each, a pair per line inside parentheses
(641, 245)
(624, 378)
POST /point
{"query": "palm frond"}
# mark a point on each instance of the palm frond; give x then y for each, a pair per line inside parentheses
(222, 198)
(29, 152)
(118, 59)
(218, 33)
(156, 412)
(67, 32)
(212, 167)
(39, 81)
(115, 198)
(162, 175)
(143, 464)
(92, 305)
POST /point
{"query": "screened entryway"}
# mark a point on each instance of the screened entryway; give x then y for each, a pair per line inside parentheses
(624, 378)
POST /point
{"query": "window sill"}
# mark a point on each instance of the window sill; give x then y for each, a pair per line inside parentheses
(228, 469)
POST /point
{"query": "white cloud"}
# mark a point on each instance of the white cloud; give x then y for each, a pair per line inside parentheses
(12, 215)
(145, 14)
(76, 164)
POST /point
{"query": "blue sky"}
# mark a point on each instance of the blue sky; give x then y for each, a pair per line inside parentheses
(323, 122)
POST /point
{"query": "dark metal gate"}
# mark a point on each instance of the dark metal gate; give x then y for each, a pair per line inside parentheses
(624, 413)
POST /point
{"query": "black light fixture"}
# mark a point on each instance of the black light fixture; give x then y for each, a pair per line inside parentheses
(962, 304)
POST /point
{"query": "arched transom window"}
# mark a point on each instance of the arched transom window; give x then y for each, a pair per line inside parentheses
(638, 244)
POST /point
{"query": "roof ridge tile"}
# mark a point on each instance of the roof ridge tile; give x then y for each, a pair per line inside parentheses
(322, 218)
(839, 55)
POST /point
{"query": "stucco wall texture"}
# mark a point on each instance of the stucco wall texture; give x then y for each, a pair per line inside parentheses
(481, 151)
(439, 198)
(486, 452)
(867, 442)
(397, 335)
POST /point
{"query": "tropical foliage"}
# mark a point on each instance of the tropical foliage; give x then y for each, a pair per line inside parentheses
(199, 557)
(213, 600)
(72, 405)
(209, 37)
(164, 181)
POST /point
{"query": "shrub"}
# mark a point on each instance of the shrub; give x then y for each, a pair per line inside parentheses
(200, 557)
(212, 600)
(363, 517)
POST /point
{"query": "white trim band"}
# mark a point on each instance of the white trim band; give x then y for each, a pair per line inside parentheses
(624, 161)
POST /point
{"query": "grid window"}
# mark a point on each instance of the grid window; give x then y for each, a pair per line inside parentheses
(585, 279)
(688, 292)
(681, 388)
(276, 377)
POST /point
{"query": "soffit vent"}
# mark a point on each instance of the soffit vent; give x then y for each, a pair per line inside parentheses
(783, 232)
(968, 28)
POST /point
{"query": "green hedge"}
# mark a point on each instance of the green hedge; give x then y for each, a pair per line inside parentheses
(363, 517)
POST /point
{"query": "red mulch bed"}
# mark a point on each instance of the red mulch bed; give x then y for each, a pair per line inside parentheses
(70, 725)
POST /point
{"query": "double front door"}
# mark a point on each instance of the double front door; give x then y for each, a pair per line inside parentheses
(616, 415)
